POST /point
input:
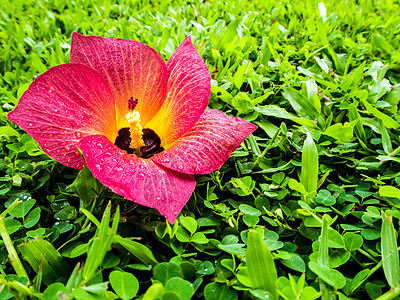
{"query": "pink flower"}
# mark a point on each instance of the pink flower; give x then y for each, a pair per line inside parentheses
(142, 125)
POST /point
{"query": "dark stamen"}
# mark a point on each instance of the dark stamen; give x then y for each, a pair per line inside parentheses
(132, 103)
(151, 141)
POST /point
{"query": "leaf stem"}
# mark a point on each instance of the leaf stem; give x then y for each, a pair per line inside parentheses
(391, 294)
(372, 271)
(269, 146)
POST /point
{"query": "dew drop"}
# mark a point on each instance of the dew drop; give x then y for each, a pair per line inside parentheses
(180, 167)
(30, 124)
(118, 169)
(78, 135)
(100, 145)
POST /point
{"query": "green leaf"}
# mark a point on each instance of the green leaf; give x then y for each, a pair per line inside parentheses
(260, 294)
(154, 291)
(352, 80)
(323, 269)
(249, 210)
(352, 241)
(260, 264)
(180, 286)
(218, 291)
(297, 186)
(42, 255)
(389, 191)
(23, 208)
(100, 244)
(124, 284)
(300, 103)
(98, 289)
(189, 223)
(335, 240)
(354, 116)
(341, 132)
(390, 254)
(387, 121)
(54, 291)
(166, 270)
(294, 262)
(8, 131)
(330, 276)
(199, 238)
(309, 165)
(12, 225)
(36, 232)
(386, 142)
(279, 112)
(140, 251)
(242, 103)
(86, 186)
(32, 218)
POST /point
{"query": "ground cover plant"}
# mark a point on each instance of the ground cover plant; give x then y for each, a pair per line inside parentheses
(307, 207)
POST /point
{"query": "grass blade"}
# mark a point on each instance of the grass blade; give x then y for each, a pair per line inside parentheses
(309, 165)
(386, 142)
(260, 264)
(100, 244)
(390, 255)
(40, 254)
(300, 103)
(327, 291)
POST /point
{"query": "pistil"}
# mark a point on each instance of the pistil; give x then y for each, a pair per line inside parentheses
(135, 129)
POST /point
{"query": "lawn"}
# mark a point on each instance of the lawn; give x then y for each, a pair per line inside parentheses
(307, 207)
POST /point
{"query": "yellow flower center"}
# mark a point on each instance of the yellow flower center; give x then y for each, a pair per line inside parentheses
(135, 130)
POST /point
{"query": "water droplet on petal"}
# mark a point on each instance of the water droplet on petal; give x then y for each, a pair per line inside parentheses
(78, 135)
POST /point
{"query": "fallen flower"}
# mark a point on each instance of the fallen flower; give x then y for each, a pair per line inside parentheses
(141, 124)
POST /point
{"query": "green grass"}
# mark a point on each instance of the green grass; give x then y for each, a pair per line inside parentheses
(327, 71)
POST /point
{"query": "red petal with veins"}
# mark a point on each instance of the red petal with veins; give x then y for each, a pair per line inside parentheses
(137, 179)
(207, 145)
(131, 68)
(189, 89)
(63, 105)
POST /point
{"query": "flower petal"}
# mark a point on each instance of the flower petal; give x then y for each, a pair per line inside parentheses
(137, 179)
(189, 88)
(207, 145)
(63, 105)
(131, 68)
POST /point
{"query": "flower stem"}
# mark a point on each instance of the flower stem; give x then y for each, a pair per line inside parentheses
(12, 253)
